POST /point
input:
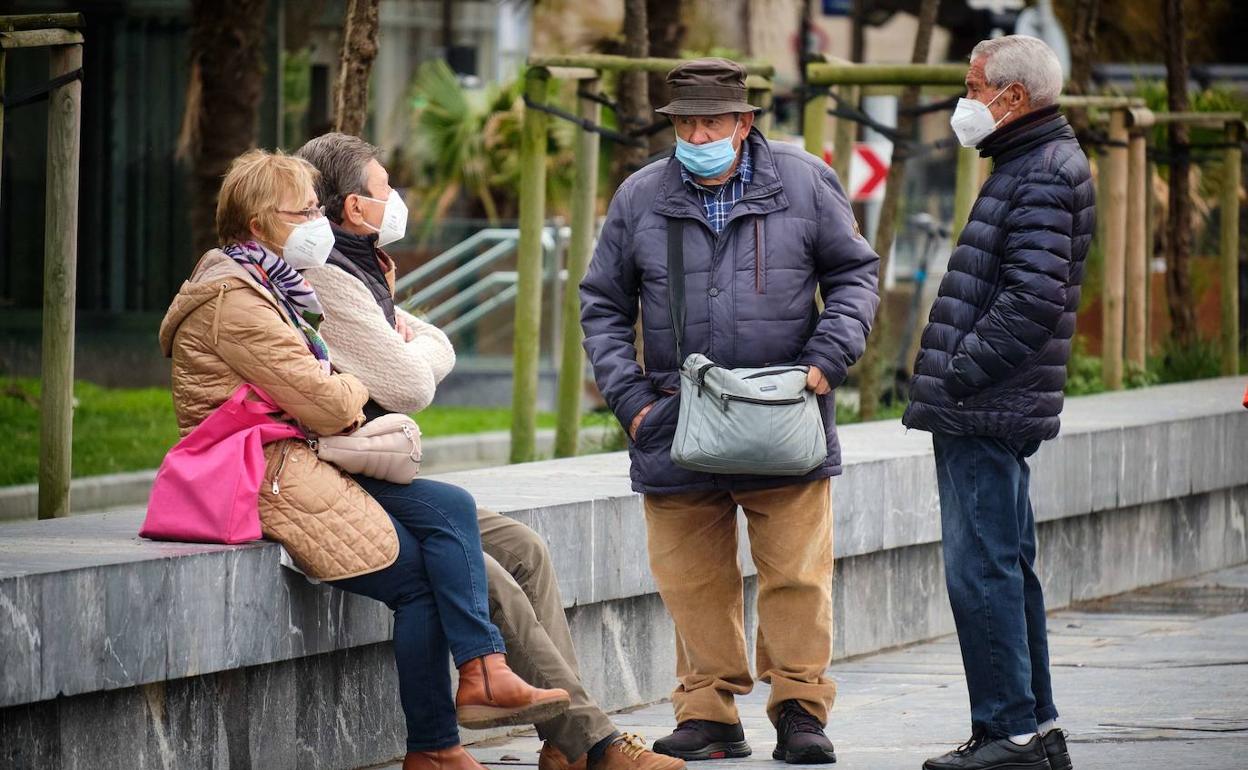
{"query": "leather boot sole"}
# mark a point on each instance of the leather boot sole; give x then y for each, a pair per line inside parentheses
(811, 755)
(718, 750)
(476, 717)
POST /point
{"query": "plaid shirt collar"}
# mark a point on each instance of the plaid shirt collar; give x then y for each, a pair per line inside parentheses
(718, 202)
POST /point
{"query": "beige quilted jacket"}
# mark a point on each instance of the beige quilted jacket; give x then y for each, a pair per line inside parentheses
(224, 329)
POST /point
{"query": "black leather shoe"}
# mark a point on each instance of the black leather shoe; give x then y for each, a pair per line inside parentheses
(696, 739)
(984, 753)
(800, 739)
(1055, 747)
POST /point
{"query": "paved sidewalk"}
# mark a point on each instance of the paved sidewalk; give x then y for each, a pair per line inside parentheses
(1154, 678)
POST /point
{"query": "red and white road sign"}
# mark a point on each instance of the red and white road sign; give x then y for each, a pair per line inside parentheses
(868, 168)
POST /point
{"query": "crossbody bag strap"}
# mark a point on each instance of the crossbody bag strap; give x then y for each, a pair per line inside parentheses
(676, 282)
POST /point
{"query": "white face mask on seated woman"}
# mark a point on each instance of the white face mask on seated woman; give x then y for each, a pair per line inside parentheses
(308, 244)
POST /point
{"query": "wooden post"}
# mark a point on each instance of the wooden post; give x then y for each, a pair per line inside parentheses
(760, 95)
(846, 132)
(1113, 289)
(1137, 251)
(966, 188)
(814, 119)
(584, 200)
(1233, 157)
(60, 259)
(528, 323)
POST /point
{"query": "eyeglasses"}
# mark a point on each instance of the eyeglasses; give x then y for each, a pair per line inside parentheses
(307, 214)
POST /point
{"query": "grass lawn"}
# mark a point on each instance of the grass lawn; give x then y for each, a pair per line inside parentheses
(130, 429)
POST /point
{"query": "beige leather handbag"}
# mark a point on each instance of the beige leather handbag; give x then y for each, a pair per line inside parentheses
(387, 448)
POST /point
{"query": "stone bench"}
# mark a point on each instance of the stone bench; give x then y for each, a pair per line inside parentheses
(119, 652)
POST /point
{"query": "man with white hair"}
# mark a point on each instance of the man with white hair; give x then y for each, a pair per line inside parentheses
(988, 386)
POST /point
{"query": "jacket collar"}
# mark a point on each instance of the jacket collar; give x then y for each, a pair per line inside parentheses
(763, 195)
(361, 250)
(1026, 133)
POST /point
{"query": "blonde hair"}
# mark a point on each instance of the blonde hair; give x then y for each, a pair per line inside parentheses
(254, 188)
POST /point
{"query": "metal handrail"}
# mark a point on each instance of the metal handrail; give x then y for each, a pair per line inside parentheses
(452, 254)
(435, 315)
(487, 257)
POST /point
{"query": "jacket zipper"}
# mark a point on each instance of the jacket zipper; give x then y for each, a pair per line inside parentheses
(280, 466)
(727, 397)
(760, 267)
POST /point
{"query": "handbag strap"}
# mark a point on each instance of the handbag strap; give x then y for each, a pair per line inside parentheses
(676, 282)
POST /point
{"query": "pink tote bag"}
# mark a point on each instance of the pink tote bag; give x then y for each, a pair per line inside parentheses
(208, 487)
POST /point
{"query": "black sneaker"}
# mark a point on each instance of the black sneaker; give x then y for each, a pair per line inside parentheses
(800, 739)
(1055, 747)
(984, 753)
(696, 739)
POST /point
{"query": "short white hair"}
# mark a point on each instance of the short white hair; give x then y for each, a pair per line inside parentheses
(1025, 60)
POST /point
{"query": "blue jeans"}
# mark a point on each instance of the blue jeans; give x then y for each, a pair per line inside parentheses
(437, 590)
(989, 537)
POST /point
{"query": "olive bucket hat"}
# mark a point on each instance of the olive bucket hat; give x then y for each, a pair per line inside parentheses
(707, 87)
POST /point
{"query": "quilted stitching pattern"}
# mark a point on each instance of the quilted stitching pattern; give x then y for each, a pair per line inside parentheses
(994, 352)
(331, 527)
(810, 242)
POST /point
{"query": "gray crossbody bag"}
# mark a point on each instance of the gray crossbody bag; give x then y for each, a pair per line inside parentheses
(750, 421)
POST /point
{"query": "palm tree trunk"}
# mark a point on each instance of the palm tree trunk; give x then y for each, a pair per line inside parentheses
(1178, 284)
(1082, 53)
(359, 49)
(869, 370)
(223, 101)
(667, 36)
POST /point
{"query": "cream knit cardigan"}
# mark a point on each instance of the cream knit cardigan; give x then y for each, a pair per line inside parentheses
(400, 376)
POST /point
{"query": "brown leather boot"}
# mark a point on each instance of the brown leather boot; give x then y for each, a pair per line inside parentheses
(551, 758)
(629, 752)
(491, 695)
(454, 758)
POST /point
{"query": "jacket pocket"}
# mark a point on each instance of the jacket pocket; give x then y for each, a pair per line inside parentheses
(659, 425)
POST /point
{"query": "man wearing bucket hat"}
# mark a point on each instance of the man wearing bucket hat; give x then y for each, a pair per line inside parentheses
(760, 227)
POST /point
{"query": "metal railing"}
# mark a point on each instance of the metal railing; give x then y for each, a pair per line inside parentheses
(437, 287)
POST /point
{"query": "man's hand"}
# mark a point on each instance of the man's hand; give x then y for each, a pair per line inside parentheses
(405, 331)
(645, 410)
(817, 382)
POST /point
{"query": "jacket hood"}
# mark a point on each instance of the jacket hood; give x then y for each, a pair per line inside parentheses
(215, 274)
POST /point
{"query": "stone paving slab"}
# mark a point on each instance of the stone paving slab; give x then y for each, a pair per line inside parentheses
(1135, 691)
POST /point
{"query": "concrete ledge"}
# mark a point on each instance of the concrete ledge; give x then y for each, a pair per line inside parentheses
(98, 628)
(92, 494)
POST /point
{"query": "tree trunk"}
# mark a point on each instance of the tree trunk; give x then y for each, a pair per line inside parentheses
(667, 35)
(1086, 13)
(355, 64)
(884, 236)
(633, 97)
(1178, 284)
(223, 101)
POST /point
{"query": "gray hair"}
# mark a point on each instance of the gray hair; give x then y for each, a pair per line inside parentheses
(1025, 60)
(342, 160)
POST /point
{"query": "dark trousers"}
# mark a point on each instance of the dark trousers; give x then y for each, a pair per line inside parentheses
(437, 590)
(989, 537)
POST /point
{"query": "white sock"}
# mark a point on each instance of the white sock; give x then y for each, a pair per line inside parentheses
(1022, 740)
(1046, 726)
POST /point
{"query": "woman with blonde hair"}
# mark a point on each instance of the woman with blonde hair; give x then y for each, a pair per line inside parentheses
(247, 316)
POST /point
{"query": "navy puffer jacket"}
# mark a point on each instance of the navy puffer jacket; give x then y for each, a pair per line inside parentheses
(749, 292)
(993, 356)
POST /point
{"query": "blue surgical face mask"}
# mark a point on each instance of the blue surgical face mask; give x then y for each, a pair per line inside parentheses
(707, 161)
